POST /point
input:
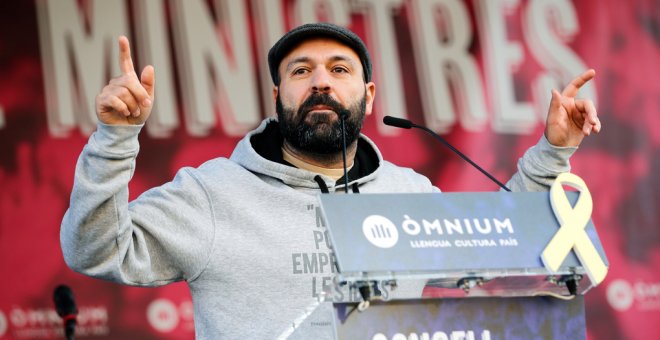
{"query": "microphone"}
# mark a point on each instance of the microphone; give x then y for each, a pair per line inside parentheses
(65, 305)
(342, 117)
(397, 122)
(406, 124)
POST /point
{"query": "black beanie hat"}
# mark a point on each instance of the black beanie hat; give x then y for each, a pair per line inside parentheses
(301, 33)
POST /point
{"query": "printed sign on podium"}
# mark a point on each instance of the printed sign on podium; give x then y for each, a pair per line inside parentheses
(495, 239)
(459, 265)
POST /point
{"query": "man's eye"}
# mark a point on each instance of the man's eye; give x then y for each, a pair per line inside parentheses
(299, 71)
(339, 69)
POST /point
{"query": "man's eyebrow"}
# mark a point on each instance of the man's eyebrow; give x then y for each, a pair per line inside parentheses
(335, 58)
(341, 57)
(297, 60)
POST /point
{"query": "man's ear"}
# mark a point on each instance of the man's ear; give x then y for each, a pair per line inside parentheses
(276, 89)
(370, 88)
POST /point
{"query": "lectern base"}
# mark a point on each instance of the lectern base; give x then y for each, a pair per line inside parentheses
(467, 318)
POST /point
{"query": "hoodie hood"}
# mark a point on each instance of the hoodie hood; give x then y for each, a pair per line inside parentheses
(260, 151)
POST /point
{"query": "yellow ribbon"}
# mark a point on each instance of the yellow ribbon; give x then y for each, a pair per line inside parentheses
(571, 233)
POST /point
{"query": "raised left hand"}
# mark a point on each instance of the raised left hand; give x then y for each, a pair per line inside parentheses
(570, 119)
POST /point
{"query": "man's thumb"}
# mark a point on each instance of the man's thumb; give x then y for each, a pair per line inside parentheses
(148, 80)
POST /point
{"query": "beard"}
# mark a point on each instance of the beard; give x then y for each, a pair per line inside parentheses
(320, 135)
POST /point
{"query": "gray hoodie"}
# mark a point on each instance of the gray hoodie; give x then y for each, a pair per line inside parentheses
(244, 232)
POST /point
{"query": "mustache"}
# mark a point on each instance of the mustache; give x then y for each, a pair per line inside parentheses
(321, 99)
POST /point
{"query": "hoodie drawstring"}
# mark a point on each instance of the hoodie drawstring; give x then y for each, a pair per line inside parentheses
(324, 187)
(321, 183)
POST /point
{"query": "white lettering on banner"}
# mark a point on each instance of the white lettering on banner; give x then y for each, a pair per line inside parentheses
(3, 324)
(30, 322)
(268, 14)
(17, 317)
(217, 69)
(2, 117)
(152, 45)
(41, 317)
(548, 26)
(93, 315)
(502, 58)
(387, 66)
(217, 57)
(623, 295)
(187, 312)
(454, 335)
(76, 62)
(442, 58)
(335, 11)
(647, 290)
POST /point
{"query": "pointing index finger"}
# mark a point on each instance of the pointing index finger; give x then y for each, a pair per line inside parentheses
(125, 61)
(572, 89)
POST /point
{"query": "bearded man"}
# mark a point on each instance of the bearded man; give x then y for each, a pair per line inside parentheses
(239, 231)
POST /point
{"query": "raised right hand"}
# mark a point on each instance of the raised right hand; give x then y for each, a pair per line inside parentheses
(127, 99)
(571, 119)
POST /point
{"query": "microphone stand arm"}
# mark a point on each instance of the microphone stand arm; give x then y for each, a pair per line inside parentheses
(342, 118)
(465, 158)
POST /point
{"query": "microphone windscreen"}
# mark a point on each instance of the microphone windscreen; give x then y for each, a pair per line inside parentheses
(64, 301)
(397, 122)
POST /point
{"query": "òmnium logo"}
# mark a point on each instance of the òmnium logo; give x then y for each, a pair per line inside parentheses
(620, 295)
(380, 231)
(623, 295)
(163, 315)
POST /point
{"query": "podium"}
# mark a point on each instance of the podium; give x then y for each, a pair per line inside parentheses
(452, 266)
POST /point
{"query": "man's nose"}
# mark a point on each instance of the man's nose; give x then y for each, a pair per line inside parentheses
(321, 80)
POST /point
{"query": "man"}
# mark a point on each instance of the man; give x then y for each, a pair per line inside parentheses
(238, 230)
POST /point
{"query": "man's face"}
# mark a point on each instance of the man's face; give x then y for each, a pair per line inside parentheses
(321, 79)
